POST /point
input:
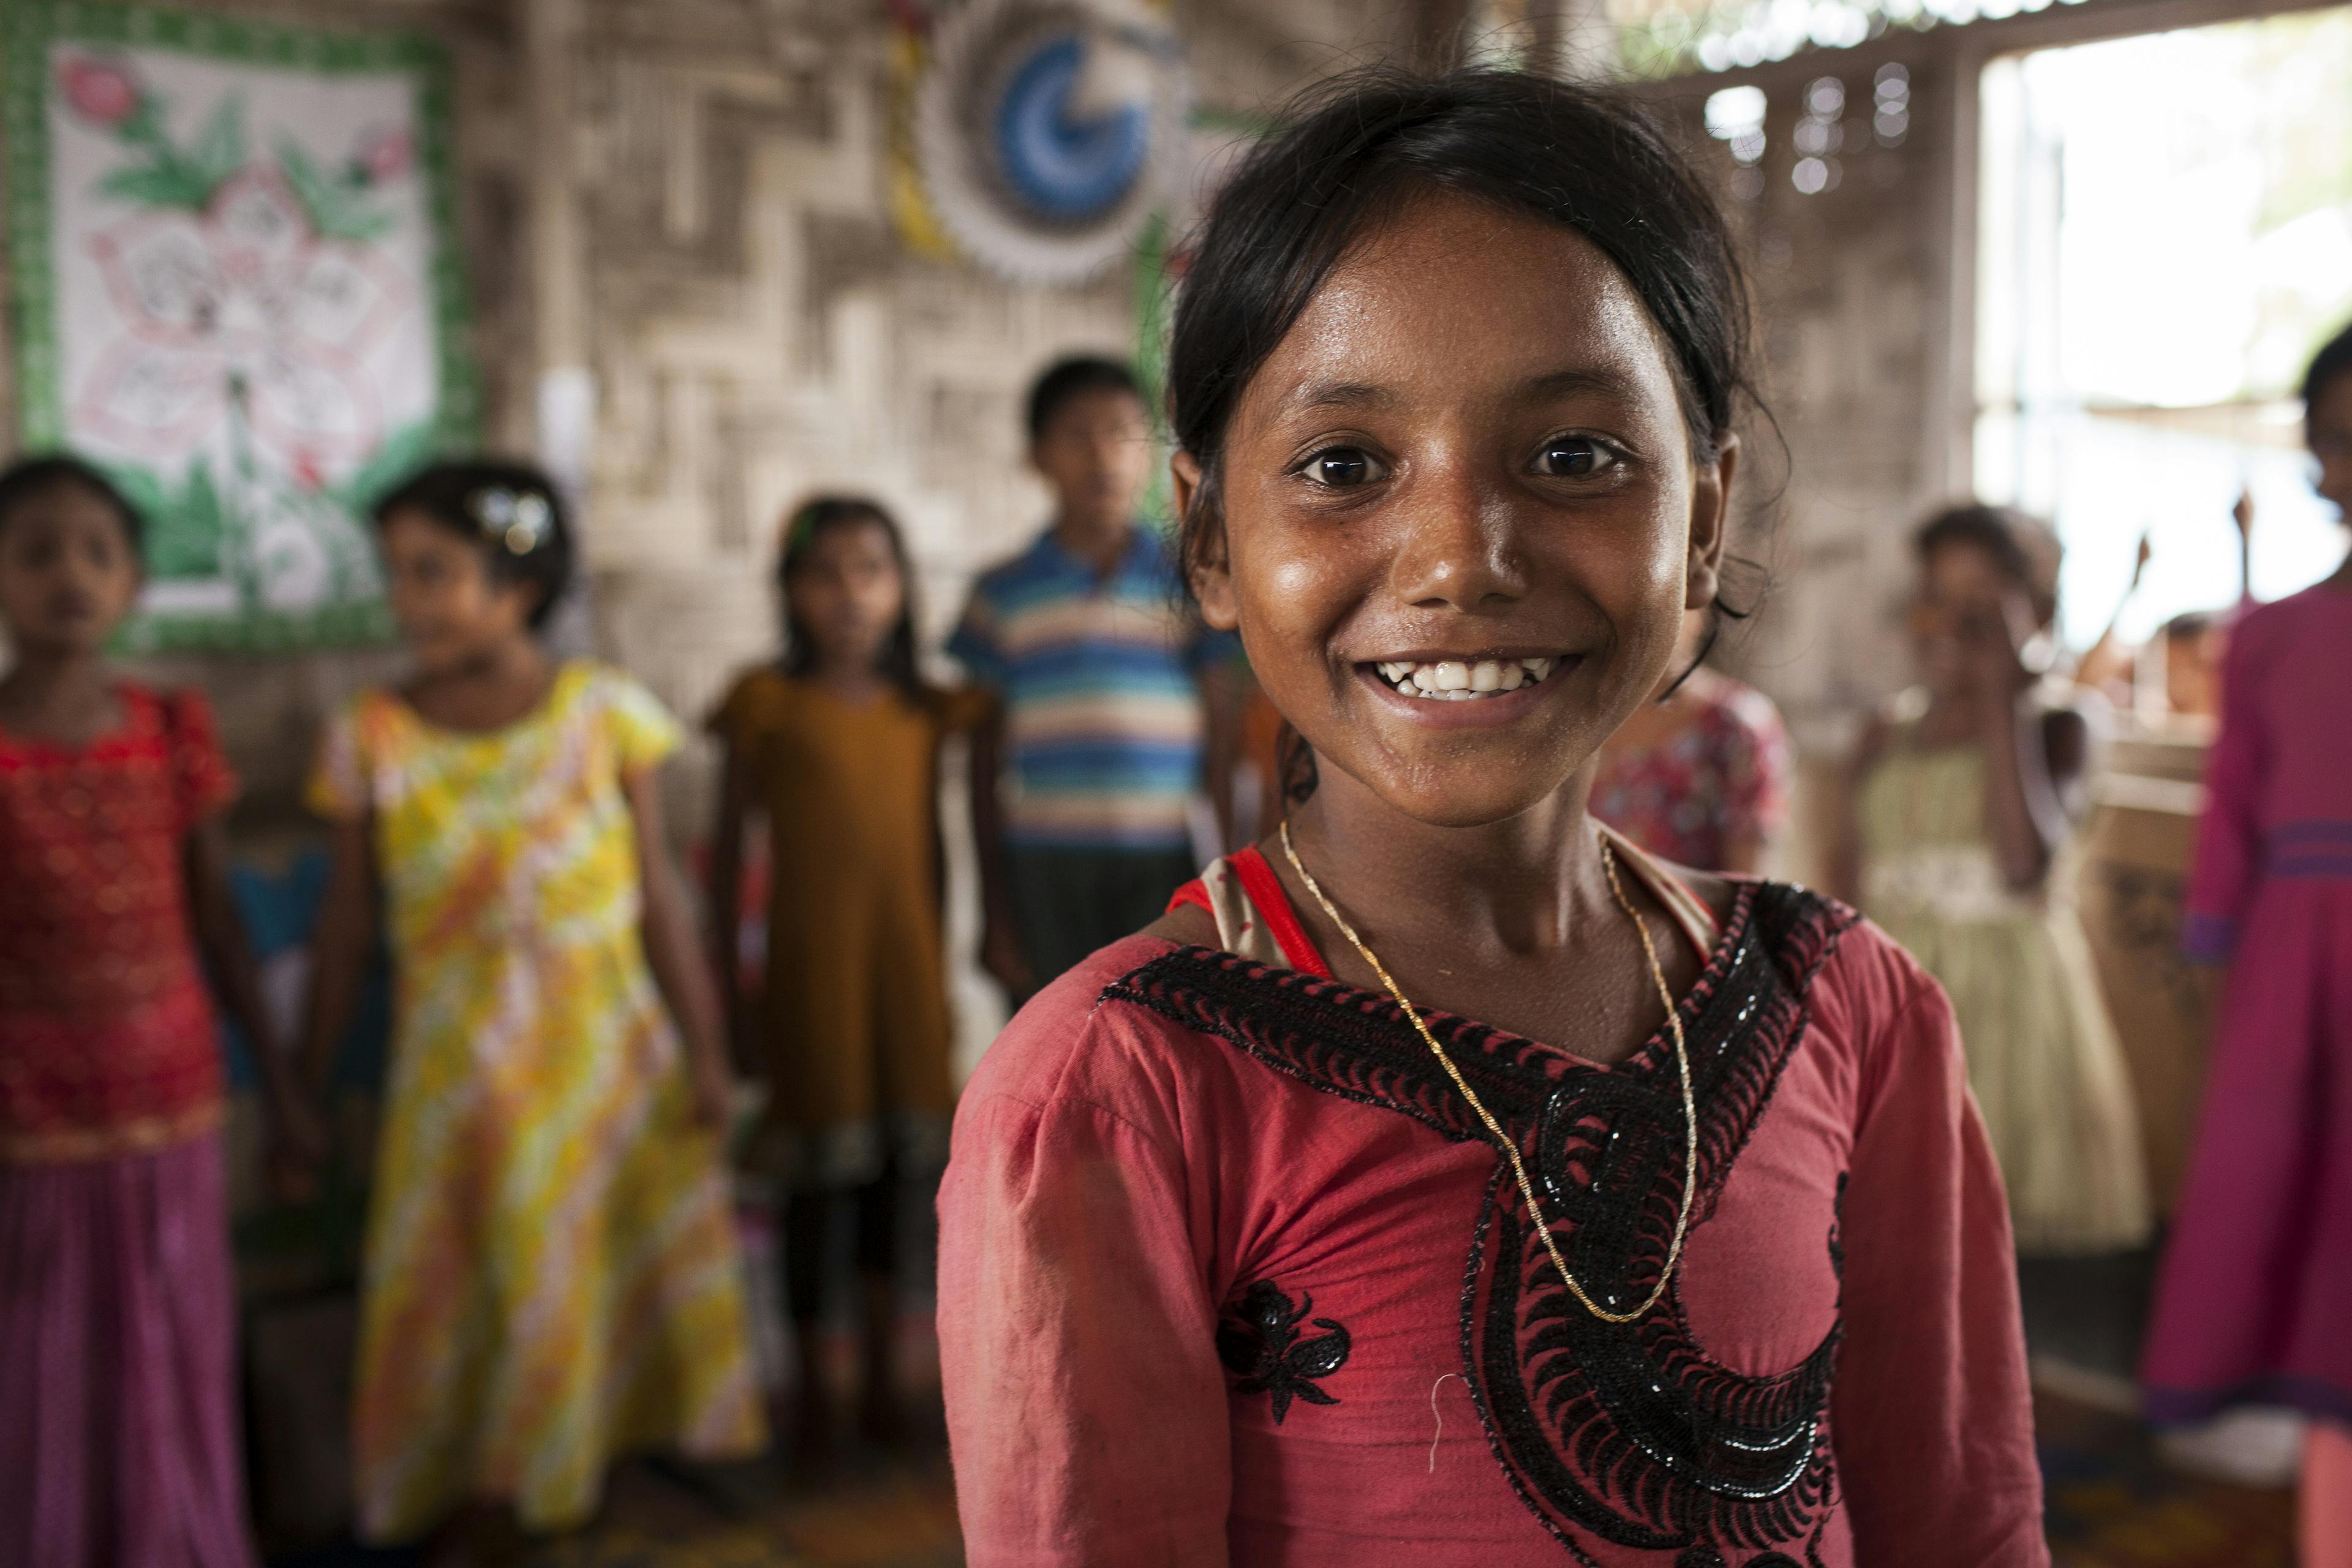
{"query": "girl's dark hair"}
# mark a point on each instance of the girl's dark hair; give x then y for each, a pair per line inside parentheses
(1355, 151)
(510, 510)
(1357, 148)
(810, 522)
(2023, 546)
(29, 477)
(2334, 359)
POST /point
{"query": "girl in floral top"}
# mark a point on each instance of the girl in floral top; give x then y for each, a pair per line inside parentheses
(551, 1276)
(1701, 776)
(118, 1405)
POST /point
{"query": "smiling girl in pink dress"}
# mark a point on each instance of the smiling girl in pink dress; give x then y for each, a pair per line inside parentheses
(1656, 1227)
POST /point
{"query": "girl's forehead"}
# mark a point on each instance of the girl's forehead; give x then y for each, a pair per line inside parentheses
(67, 503)
(1454, 297)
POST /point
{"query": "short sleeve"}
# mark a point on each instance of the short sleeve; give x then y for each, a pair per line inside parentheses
(738, 712)
(338, 789)
(963, 709)
(201, 781)
(975, 643)
(1086, 1409)
(643, 733)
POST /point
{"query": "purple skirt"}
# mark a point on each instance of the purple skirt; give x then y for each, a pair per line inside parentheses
(2254, 1302)
(117, 1364)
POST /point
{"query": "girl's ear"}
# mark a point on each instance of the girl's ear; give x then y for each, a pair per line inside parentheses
(1710, 526)
(1211, 568)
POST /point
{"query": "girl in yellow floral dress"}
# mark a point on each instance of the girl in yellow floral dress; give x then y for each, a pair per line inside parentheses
(551, 1277)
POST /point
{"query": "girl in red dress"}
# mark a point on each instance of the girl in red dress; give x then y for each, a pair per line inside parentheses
(1443, 1181)
(118, 1405)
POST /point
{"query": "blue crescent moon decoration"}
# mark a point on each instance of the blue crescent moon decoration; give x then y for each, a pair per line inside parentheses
(1060, 165)
(1047, 131)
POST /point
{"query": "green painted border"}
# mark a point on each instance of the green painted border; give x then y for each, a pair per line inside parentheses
(33, 26)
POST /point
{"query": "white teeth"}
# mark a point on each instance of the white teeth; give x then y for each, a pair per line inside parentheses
(1457, 681)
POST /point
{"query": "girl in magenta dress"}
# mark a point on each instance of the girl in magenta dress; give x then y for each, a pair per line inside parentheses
(1444, 1181)
(118, 1446)
(2254, 1303)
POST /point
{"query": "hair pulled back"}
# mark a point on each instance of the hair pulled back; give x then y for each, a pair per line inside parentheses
(812, 521)
(2023, 547)
(510, 510)
(1357, 147)
(2334, 359)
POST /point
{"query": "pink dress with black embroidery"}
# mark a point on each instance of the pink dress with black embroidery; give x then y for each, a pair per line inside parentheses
(1231, 1274)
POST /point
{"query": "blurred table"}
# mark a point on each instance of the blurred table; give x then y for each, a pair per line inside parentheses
(2132, 872)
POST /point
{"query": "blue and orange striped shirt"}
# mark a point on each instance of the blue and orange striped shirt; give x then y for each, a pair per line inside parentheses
(1100, 675)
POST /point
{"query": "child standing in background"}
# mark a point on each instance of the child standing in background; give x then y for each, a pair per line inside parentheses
(1701, 775)
(838, 748)
(2254, 1303)
(1962, 805)
(118, 1440)
(551, 1276)
(1118, 703)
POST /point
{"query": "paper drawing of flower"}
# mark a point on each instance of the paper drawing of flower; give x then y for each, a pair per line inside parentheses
(100, 92)
(384, 154)
(243, 297)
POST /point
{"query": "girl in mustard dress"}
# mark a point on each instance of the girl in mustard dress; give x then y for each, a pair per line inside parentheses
(551, 1277)
(837, 747)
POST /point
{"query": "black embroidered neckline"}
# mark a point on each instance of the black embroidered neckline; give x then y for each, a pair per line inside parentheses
(1627, 1431)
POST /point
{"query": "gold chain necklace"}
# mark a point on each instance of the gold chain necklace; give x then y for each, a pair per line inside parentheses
(1510, 1148)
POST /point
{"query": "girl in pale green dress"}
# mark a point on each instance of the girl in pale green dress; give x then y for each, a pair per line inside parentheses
(1963, 807)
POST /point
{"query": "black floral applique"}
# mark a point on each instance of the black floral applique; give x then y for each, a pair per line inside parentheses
(1260, 1345)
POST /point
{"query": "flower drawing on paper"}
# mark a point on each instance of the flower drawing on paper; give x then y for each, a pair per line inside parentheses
(252, 307)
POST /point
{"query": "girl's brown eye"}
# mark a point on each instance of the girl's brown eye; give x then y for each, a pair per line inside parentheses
(1343, 467)
(1572, 457)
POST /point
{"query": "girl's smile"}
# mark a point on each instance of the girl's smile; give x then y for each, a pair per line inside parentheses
(1467, 691)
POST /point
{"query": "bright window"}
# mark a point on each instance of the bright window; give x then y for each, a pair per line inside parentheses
(2164, 229)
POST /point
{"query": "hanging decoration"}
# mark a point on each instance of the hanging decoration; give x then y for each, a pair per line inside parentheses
(237, 290)
(1046, 133)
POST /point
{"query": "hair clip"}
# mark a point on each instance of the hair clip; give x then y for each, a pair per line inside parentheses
(521, 519)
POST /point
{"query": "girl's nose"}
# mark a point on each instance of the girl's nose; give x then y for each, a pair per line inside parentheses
(1459, 546)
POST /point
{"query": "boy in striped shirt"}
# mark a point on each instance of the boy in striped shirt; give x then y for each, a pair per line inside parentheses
(1116, 701)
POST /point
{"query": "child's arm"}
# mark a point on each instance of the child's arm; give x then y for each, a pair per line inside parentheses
(340, 949)
(300, 1141)
(670, 948)
(2036, 760)
(724, 913)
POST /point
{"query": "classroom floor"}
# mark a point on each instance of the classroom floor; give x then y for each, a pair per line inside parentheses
(2112, 1502)
(2111, 1505)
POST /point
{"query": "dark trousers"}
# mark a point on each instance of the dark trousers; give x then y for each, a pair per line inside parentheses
(1068, 902)
(810, 1214)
